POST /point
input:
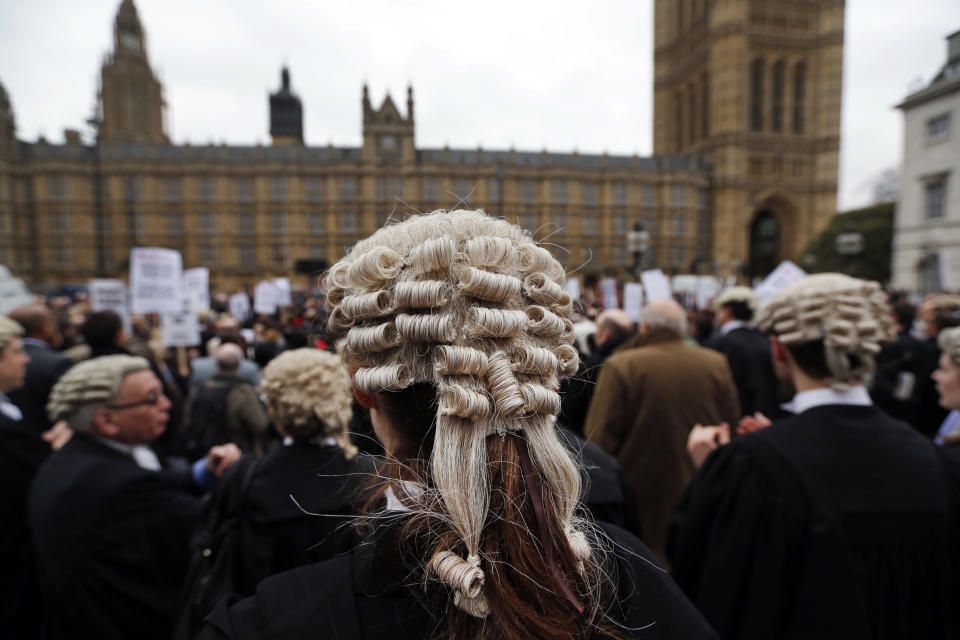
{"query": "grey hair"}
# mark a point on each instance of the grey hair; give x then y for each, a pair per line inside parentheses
(9, 329)
(949, 342)
(665, 314)
(94, 381)
(229, 357)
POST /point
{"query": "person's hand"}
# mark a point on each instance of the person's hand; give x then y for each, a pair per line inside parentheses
(749, 424)
(58, 435)
(703, 440)
(221, 457)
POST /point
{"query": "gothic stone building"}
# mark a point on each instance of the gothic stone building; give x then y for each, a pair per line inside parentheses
(744, 171)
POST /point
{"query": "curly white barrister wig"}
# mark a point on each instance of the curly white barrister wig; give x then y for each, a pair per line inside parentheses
(851, 316)
(307, 391)
(472, 306)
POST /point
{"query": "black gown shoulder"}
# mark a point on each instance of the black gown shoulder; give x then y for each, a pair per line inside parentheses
(365, 595)
(838, 523)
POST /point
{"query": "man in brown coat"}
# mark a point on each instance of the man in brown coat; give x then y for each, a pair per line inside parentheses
(647, 400)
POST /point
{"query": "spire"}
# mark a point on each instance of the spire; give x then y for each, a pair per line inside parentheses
(286, 113)
(128, 31)
(410, 102)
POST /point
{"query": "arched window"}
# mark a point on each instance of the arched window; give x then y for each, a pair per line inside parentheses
(705, 104)
(756, 95)
(778, 91)
(692, 113)
(799, 95)
(678, 119)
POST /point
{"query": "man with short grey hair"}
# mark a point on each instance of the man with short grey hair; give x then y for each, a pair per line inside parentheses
(110, 523)
(226, 408)
(647, 400)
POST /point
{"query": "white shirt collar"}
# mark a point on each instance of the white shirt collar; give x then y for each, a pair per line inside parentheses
(412, 489)
(9, 409)
(856, 395)
(144, 456)
(730, 325)
(327, 440)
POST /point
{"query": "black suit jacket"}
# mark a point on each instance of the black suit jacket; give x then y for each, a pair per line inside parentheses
(111, 542)
(44, 369)
(21, 453)
(370, 593)
(748, 353)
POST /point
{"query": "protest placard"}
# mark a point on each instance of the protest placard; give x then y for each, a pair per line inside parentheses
(785, 273)
(13, 293)
(196, 282)
(239, 305)
(181, 329)
(572, 286)
(707, 288)
(156, 280)
(265, 298)
(657, 285)
(633, 300)
(608, 293)
(111, 295)
(282, 292)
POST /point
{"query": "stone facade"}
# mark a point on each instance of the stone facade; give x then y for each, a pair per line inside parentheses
(754, 86)
(926, 239)
(69, 212)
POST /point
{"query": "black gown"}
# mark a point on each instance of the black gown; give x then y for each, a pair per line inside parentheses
(841, 522)
(22, 451)
(366, 595)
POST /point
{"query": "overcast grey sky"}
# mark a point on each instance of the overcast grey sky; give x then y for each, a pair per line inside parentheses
(558, 75)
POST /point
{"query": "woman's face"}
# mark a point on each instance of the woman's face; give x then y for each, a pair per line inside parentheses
(947, 378)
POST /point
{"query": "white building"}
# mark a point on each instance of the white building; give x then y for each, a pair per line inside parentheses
(926, 239)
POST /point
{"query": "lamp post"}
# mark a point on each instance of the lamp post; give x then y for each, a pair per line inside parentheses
(848, 244)
(637, 242)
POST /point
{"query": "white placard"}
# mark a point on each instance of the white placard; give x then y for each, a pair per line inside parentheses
(707, 288)
(572, 286)
(786, 273)
(608, 293)
(731, 282)
(239, 305)
(633, 300)
(13, 293)
(265, 298)
(196, 282)
(156, 280)
(282, 292)
(657, 285)
(111, 295)
(181, 329)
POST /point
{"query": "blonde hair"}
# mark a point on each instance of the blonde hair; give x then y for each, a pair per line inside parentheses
(850, 316)
(307, 392)
(9, 329)
(949, 342)
(472, 306)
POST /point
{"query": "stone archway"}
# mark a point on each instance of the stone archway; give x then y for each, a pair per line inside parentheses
(765, 231)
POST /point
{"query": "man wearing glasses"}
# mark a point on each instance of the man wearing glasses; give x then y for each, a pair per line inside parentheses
(110, 523)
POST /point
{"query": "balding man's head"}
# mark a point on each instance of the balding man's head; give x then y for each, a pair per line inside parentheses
(36, 320)
(613, 324)
(664, 314)
(229, 357)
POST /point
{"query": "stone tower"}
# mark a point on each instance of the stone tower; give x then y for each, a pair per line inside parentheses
(8, 126)
(754, 86)
(131, 98)
(286, 114)
(388, 136)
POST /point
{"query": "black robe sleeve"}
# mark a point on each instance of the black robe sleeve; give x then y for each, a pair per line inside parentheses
(736, 545)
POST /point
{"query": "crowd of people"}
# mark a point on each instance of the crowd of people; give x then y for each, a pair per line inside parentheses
(445, 444)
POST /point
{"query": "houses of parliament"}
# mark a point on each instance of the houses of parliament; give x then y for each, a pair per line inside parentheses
(743, 172)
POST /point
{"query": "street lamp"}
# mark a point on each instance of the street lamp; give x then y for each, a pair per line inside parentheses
(849, 243)
(637, 242)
